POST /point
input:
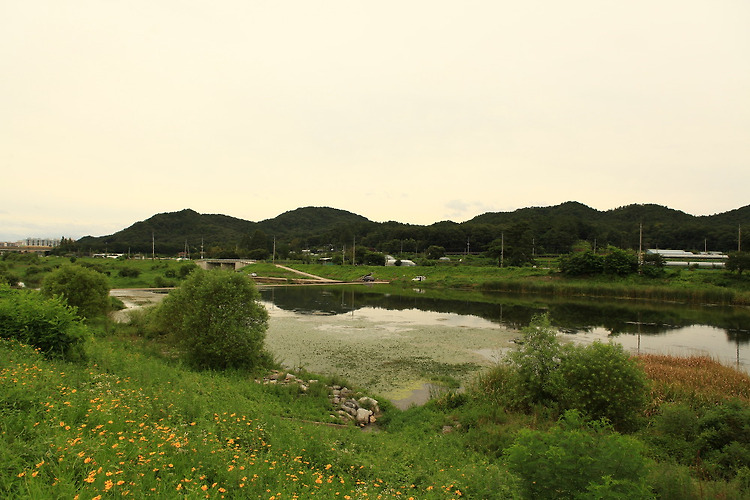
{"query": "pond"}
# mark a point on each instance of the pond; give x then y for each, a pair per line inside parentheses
(394, 341)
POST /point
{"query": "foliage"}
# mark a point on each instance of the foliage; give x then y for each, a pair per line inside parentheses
(578, 460)
(602, 381)
(620, 262)
(434, 252)
(7, 276)
(374, 259)
(84, 289)
(581, 263)
(527, 231)
(536, 360)
(217, 318)
(715, 440)
(653, 265)
(45, 323)
(129, 272)
(738, 261)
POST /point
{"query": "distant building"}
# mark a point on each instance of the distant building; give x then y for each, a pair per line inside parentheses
(683, 258)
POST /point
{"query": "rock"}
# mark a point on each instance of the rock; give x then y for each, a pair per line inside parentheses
(369, 403)
(363, 416)
(289, 377)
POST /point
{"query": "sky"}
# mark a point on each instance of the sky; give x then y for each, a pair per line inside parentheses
(418, 111)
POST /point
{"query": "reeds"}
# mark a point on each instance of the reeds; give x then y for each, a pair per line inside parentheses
(695, 379)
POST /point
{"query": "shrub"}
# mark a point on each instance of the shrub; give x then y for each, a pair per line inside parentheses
(578, 460)
(185, 269)
(620, 262)
(7, 276)
(536, 360)
(581, 263)
(602, 381)
(129, 272)
(217, 318)
(48, 324)
(82, 288)
(724, 439)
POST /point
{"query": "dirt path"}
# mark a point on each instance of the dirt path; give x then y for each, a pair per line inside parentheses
(322, 280)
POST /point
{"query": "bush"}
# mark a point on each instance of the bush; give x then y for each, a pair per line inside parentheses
(581, 263)
(82, 288)
(536, 360)
(217, 318)
(578, 460)
(620, 262)
(602, 381)
(7, 276)
(724, 439)
(129, 272)
(185, 269)
(48, 324)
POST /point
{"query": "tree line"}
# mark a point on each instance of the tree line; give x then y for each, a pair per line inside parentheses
(518, 235)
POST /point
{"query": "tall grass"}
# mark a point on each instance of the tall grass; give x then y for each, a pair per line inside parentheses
(698, 380)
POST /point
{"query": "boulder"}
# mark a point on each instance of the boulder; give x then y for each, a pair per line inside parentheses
(363, 416)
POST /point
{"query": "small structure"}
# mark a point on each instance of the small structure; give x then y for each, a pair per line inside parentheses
(683, 258)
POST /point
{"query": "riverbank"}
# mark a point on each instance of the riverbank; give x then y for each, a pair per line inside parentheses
(711, 287)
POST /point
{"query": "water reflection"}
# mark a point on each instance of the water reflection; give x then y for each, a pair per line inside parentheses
(722, 332)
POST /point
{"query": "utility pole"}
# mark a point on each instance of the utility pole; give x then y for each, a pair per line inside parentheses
(201, 248)
(273, 257)
(354, 252)
(739, 238)
(153, 246)
(640, 248)
(502, 248)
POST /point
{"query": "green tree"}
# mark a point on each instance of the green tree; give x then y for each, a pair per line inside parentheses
(738, 261)
(602, 381)
(435, 252)
(536, 360)
(581, 263)
(653, 265)
(217, 317)
(374, 259)
(620, 262)
(85, 289)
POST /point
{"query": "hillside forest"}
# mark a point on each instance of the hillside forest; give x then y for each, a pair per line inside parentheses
(527, 231)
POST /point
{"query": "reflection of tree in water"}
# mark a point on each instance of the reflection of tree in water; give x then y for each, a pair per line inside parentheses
(516, 311)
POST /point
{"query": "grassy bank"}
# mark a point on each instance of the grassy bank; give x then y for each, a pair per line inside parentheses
(690, 286)
(677, 285)
(132, 423)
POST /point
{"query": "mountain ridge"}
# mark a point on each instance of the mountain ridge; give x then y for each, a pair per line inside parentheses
(556, 228)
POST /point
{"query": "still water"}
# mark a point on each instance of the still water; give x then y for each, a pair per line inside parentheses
(641, 327)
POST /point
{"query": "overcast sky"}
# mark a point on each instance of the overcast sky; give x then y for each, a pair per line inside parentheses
(415, 111)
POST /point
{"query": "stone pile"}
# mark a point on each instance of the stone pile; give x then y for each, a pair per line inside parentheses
(348, 405)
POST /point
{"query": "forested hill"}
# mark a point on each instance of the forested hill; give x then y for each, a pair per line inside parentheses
(173, 231)
(548, 229)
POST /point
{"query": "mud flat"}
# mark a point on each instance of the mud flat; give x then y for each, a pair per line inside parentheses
(391, 355)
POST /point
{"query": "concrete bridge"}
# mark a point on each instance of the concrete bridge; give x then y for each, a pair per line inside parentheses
(224, 264)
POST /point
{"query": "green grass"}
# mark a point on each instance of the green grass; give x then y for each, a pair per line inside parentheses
(679, 285)
(133, 421)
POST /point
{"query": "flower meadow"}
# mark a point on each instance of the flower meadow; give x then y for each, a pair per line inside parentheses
(130, 421)
(129, 424)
